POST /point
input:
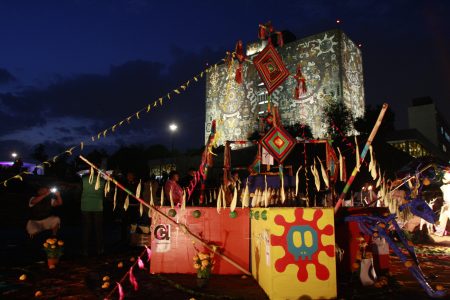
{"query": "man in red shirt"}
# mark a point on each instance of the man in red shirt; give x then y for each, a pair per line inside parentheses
(173, 186)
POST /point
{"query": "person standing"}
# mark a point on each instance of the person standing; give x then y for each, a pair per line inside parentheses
(92, 213)
(173, 187)
(41, 217)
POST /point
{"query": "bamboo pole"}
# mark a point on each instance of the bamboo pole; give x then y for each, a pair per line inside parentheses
(183, 227)
(363, 155)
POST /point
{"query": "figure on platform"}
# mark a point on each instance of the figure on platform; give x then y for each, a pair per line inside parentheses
(185, 183)
(173, 188)
(41, 217)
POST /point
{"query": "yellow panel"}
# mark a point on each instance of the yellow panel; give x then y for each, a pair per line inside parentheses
(293, 252)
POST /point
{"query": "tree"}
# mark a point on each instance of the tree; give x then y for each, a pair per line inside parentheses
(339, 119)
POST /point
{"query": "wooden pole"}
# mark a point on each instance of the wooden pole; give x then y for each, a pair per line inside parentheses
(183, 227)
(363, 155)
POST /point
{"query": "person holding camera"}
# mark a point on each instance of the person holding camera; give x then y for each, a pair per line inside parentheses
(41, 218)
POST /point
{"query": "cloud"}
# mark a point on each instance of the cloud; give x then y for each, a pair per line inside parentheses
(76, 108)
(6, 77)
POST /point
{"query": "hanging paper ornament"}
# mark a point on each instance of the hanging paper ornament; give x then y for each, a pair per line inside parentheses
(91, 176)
(149, 253)
(374, 172)
(234, 201)
(278, 142)
(341, 165)
(379, 178)
(300, 88)
(371, 164)
(120, 290)
(138, 189)
(183, 201)
(140, 263)
(271, 68)
(107, 187)
(162, 196)
(240, 56)
(115, 198)
(171, 198)
(282, 194)
(255, 198)
(132, 278)
(324, 174)
(97, 182)
(315, 174)
(224, 197)
(126, 203)
(297, 180)
(246, 196)
(219, 200)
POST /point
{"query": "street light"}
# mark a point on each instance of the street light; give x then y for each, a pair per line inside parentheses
(14, 155)
(173, 128)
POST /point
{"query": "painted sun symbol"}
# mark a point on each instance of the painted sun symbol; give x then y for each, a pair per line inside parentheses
(302, 243)
(325, 45)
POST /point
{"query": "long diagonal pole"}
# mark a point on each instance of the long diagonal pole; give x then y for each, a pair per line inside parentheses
(363, 155)
(183, 227)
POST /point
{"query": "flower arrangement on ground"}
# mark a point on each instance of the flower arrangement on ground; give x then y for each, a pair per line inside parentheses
(54, 250)
(204, 264)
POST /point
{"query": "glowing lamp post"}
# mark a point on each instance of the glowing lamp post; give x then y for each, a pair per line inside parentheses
(14, 155)
(173, 128)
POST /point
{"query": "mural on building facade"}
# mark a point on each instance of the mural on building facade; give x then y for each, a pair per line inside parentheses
(332, 66)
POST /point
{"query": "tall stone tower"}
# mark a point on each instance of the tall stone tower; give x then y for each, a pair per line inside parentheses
(332, 65)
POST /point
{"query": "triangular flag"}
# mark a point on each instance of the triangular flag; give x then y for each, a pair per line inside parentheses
(138, 189)
(133, 280)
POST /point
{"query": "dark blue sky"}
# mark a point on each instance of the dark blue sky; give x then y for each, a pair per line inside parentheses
(71, 68)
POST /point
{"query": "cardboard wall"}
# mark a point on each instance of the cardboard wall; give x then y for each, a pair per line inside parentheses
(173, 250)
(293, 252)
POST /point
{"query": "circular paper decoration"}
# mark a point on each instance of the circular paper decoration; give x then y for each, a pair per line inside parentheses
(256, 215)
(172, 212)
(233, 214)
(196, 213)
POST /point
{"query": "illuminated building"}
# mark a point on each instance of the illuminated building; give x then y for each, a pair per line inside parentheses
(428, 133)
(331, 64)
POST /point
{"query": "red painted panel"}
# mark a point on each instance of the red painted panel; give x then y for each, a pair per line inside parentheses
(173, 250)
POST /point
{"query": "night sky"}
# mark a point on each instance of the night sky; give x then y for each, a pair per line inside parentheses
(69, 69)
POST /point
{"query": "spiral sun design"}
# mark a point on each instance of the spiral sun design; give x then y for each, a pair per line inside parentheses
(302, 243)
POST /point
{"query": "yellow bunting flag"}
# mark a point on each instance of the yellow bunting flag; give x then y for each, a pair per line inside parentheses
(137, 115)
(149, 107)
(81, 146)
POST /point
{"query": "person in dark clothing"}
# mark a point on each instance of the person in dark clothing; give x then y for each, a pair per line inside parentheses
(41, 217)
(185, 182)
(130, 212)
(92, 213)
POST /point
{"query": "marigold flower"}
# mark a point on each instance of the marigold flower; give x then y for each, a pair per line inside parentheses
(205, 263)
(196, 266)
(60, 243)
(45, 245)
(51, 241)
(53, 246)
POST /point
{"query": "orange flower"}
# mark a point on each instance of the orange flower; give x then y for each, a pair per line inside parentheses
(60, 243)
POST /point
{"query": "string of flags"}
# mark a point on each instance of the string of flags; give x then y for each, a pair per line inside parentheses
(150, 107)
